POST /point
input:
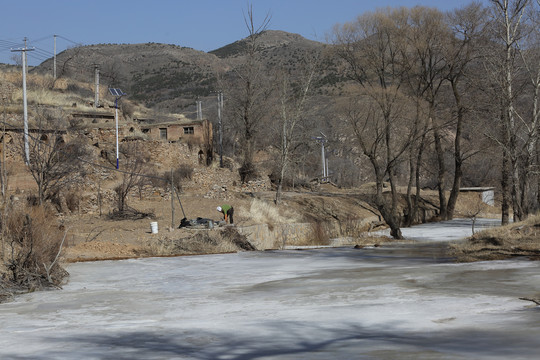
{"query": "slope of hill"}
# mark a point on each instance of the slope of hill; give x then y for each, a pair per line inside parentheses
(170, 77)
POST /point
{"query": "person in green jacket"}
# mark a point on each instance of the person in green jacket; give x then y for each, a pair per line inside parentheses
(227, 211)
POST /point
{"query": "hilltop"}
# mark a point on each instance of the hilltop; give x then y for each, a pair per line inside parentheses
(171, 77)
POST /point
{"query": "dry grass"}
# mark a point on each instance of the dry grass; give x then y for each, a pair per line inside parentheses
(519, 239)
(320, 235)
(62, 92)
(264, 212)
(470, 204)
(32, 243)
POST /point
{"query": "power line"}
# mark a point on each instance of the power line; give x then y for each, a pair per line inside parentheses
(71, 41)
(41, 39)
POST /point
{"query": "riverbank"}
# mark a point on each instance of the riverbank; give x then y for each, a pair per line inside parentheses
(519, 240)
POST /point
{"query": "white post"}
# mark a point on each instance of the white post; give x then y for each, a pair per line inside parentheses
(54, 59)
(220, 106)
(25, 103)
(323, 160)
(25, 109)
(199, 110)
(96, 97)
(327, 170)
(116, 118)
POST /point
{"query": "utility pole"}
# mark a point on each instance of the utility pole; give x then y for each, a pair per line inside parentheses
(117, 93)
(3, 176)
(25, 104)
(96, 76)
(220, 108)
(172, 200)
(199, 109)
(54, 59)
(322, 140)
(323, 157)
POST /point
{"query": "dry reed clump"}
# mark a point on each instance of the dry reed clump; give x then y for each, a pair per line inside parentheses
(353, 228)
(263, 212)
(470, 205)
(40, 81)
(61, 84)
(32, 243)
(519, 239)
(201, 242)
(12, 77)
(319, 235)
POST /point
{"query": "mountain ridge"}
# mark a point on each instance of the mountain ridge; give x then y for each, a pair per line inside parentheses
(172, 77)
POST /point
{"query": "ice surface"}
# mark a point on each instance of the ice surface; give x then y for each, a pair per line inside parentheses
(391, 302)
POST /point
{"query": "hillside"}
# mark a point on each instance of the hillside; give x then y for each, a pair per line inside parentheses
(171, 77)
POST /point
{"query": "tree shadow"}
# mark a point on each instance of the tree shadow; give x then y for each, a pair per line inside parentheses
(293, 340)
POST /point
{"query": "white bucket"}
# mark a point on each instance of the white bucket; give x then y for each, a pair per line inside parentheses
(154, 227)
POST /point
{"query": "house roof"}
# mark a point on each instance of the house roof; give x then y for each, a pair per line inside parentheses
(179, 122)
(477, 189)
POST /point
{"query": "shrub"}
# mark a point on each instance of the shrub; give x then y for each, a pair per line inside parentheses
(180, 174)
(183, 172)
(73, 198)
(319, 234)
(34, 242)
(247, 172)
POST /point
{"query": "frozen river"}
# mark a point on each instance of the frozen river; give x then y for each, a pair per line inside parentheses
(391, 302)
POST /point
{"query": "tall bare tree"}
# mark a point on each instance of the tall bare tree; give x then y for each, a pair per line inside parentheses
(529, 51)
(248, 92)
(372, 51)
(425, 33)
(293, 95)
(467, 25)
(508, 32)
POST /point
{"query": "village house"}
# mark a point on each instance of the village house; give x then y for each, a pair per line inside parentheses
(191, 131)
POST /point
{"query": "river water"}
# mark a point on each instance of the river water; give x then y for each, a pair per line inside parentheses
(389, 302)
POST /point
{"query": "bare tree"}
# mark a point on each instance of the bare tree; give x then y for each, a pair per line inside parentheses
(507, 27)
(134, 166)
(55, 162)
(293, 94)
(529, 53)
(372, 51)
(249, 92)
(426, 33)
(536, 99)
(467, 25)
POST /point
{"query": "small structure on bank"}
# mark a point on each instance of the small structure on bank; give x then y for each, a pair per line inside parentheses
(487, 194)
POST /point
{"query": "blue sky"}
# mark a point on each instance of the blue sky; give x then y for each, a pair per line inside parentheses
(200, 24)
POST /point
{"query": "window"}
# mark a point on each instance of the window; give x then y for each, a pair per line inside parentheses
(163, 133)
(188, 130)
